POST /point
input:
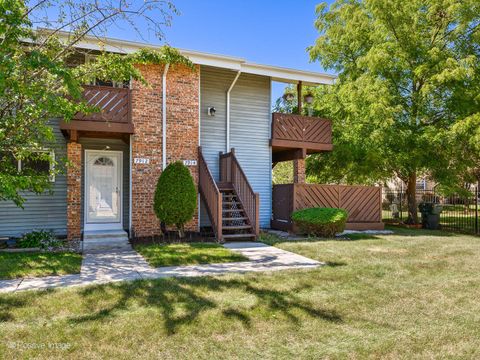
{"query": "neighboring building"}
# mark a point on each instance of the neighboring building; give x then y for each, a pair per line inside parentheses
(117, 156)
(424, 183)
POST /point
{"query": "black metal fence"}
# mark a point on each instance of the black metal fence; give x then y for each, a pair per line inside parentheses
(460, 212)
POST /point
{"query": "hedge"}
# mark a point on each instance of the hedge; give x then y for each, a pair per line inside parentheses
(324, 222)
(175, 197)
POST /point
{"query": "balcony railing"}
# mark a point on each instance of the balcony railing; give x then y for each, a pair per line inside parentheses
(301, 132)
(114, 113)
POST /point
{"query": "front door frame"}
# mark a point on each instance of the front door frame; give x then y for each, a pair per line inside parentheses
(103, 226)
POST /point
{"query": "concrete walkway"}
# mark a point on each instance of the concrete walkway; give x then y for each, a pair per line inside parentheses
(129, 265)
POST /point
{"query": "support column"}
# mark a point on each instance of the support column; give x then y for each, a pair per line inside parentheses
(74, 190)
(299, 171)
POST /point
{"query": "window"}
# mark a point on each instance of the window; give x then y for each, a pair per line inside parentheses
(117, 84)
(421, 184)
(103, 161)
(44, 165)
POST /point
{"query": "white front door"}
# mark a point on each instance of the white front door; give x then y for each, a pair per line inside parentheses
(103, 190)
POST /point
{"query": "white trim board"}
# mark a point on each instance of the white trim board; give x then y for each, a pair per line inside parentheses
(277, 73)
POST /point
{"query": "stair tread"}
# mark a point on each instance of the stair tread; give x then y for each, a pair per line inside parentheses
(235, 218)
(236, 227)
(233, 236)
(232, 210)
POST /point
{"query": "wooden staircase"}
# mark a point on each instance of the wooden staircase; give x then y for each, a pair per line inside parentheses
(235, 222)
(231, 203)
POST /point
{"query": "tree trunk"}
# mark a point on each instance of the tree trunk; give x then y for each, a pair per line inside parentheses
(412, 199)
(181, 231)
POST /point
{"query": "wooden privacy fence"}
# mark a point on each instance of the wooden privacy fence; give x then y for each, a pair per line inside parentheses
(363, 203)
(114, 104)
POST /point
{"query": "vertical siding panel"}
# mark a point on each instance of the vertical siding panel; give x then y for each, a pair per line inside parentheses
(44, 211)
(250, 135)
(249, 132)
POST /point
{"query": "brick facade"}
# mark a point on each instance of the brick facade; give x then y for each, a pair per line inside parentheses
(299, 171)
(74, 190)
(182, 137)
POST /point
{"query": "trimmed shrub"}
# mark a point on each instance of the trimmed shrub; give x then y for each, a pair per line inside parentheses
(175, 197)
(324, 222)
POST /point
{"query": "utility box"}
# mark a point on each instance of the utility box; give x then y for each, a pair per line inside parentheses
(430, 215)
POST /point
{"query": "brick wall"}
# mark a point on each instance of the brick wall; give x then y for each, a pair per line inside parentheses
(299, 171)
(182, 136)
(74, 190)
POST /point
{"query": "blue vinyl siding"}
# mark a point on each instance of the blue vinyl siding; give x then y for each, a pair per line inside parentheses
(44, 211)
(249, 132)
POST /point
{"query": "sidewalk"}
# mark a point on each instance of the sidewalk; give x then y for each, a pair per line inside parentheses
(129, 265)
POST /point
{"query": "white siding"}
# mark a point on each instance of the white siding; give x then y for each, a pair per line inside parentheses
(249, 132)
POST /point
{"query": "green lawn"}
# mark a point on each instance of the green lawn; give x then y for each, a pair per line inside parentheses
(18, 265)
(414, 294)
(187, 254)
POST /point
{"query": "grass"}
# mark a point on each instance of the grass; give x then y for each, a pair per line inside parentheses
(19, 265)
(187, 254)
(413, 294)
(449, 220)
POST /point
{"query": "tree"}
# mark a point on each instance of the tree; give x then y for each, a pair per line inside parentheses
(408, 74)
(38, 84)
(175, 197)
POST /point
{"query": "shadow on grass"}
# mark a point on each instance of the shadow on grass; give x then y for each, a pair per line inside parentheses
(170, 295)
(335, 263)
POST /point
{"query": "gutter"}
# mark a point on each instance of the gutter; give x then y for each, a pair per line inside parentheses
(228, 110)
(164, 116)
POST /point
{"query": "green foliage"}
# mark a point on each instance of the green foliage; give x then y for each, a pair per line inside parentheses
(38, 83)
(282, 173)
(175, 197)
(324, 222)
(408, 75)
(44, 239)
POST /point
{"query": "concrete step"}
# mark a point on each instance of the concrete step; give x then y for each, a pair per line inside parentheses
(104, 234)
(105, 241)
(90, 248)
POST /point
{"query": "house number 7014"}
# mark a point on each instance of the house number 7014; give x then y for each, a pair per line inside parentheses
(190, 162)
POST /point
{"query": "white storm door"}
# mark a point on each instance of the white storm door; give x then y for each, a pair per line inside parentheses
(103, 188)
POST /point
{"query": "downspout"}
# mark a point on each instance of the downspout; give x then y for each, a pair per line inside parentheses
(164, 116)
(228, 110)
(130, 162)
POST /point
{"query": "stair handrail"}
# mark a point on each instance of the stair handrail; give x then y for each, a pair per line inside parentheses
(210, 194)
(249, 198)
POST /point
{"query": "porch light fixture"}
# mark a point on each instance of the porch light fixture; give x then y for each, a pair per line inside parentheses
(211, 111)
(308, 98)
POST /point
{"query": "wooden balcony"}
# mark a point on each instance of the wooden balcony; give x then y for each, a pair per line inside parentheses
(295, 136)
(114, 115)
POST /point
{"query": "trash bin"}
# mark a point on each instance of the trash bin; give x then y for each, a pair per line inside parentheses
(430, 215)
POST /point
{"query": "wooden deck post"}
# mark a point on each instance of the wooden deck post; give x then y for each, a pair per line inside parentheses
(299, 97)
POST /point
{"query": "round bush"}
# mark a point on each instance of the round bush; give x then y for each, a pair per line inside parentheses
(324, 222)
(175, 197)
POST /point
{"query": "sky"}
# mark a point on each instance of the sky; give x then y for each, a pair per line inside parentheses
(272, 32)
